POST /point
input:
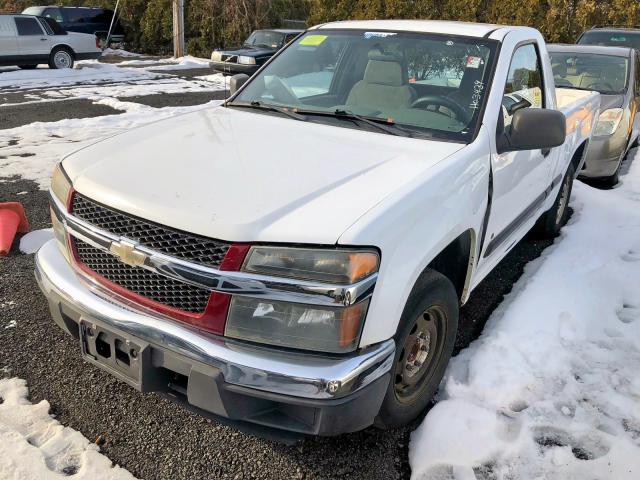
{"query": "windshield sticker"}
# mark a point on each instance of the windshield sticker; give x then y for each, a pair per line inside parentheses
(476, 97)
(313, 40)
(474, 62)
(378, 34)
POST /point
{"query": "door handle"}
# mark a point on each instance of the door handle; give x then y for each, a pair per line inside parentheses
(43, 39)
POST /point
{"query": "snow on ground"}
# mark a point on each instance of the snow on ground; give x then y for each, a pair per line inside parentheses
(32, 241)
(85, 72)
(185, 63)
(551, 389)
(31, 151)
(87, 82)
(119, 52)
(36, 446)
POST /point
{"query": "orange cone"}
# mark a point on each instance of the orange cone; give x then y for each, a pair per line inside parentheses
(12, 220)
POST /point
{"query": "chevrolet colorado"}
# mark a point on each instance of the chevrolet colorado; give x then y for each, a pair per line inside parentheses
(295, 258)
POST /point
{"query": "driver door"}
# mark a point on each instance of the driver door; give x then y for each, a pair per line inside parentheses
(520, 179)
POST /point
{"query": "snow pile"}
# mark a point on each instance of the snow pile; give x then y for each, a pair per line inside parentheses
(551, 389)
(185, 63)
(119, 52)
(32, 241)
(35, 446)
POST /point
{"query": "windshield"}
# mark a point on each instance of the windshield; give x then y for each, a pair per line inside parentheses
(611, 39)
(429, 85)
(606, 74)
(265, 38)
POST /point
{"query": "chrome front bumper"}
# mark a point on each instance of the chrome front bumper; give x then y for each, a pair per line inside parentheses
(300, 375)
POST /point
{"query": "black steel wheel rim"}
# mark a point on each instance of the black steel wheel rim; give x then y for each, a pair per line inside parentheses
(420, 354)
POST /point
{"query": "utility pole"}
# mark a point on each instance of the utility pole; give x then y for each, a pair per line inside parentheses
(178, 28)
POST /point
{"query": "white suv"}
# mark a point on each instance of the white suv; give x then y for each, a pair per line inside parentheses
(27, 41)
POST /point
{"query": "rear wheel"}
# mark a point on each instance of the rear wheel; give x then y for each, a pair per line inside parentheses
(550, 224)
(424, 345)
(61, 58)
(27, 67)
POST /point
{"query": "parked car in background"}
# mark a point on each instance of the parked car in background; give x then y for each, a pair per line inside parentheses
(615, 73)
(319, 292)
(27, 40)
(256, 50)
(91, 20)
(611, 36)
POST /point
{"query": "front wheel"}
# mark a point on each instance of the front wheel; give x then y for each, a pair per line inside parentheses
(424, 344)
(552, 221)
(61, 58)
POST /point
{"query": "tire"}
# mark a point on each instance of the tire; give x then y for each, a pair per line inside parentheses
(424, 343)
(27, 67)
(552, 221)
(60, 58)
(612, 180)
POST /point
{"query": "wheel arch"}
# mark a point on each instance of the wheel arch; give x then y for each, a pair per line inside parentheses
(456, 262)
(64, 46)
(579, 156)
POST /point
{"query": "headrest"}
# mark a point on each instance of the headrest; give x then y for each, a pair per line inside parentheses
(559, 69)
(384, 69)
(376, 54)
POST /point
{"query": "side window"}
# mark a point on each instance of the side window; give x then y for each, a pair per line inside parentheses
(524, 83)
(6, 28)
(28, 26)
(53, 13)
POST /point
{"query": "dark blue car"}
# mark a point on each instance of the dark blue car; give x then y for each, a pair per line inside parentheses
(91, 20)
(256, 50)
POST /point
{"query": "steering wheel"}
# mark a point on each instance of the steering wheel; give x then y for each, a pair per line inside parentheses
(607, 87)
(282, 92)
(461, 114)
(563, 82)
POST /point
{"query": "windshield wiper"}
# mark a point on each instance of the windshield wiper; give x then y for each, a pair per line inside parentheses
(372, 121)
(271, 108)
(379, 123)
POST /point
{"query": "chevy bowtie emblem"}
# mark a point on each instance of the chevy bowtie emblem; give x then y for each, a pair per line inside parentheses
(127, 253)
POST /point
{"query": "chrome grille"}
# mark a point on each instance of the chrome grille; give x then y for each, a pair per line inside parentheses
(194, 248)
(143, 282)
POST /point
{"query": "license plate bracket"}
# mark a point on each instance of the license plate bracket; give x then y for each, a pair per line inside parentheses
(125, 357)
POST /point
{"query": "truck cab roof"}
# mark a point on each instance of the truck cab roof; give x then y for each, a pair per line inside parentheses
(467, 29)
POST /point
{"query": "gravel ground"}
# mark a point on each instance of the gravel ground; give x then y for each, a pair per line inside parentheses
(176, 99)
(152, 437)
(19, 115)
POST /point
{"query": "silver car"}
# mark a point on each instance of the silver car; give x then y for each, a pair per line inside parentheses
(615, 73)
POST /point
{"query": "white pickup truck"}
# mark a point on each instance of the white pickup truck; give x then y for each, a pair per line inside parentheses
(295, 259)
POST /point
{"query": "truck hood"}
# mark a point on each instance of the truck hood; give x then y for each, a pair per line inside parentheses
(240, 175)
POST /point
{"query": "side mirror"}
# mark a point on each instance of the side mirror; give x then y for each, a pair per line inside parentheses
(237, 81)
(533, 129)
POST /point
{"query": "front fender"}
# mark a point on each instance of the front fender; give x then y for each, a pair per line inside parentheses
(414, 224)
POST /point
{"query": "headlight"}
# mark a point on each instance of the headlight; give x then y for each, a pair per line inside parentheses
(296, 325)
(60, 188)
(246, 60)
(60, 184)
(216, 56)
(329, 266)
(307, 327)
(608, 122)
